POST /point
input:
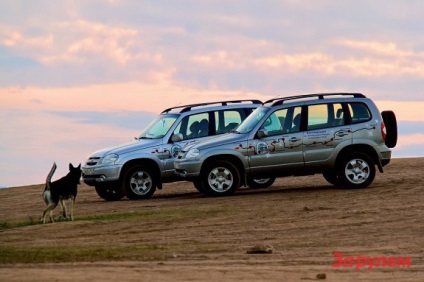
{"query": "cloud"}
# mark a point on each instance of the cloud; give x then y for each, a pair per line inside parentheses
(377, 59)
(409, 112)
(90, 39)
(123, 120)
(113, 98)
(410, 128)
(11, 37)
(284, 47)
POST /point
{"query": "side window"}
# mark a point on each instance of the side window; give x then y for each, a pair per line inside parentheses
(338, 117)
(317, 116)
(283, 121)
(273, 123)
(227, 120)
(293, 120)
(359, 112)
(194, 126)
(325, 115)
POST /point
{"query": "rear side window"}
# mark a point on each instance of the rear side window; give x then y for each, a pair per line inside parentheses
(325, 115)
(194, 126)
(227, 120)
(359, 112)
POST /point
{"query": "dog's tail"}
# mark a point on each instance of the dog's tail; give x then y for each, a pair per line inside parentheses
(49, 177)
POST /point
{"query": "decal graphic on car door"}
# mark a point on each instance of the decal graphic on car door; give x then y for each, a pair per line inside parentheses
(327, 127)
(281, 149)
(192, 128)
(199, 127)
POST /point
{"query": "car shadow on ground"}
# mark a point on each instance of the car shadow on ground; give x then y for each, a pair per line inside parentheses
(244, 191)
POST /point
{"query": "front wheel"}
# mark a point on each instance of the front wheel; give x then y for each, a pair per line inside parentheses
(199, 186)
(109, 192)
(357, 171)
(139, 183)
(220, 178)
(260, 182)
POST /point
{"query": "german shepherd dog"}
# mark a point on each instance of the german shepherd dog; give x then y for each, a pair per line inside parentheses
(61, 189)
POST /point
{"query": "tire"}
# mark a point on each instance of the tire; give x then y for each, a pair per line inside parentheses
(332, 178)
(356, 171)
(138, 183)
(260, 182)
(220, 178)
(199, 186)
(109, 192)
(390, 122)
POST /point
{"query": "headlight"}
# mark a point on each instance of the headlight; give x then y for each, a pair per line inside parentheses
(110, 159)
(192, 153)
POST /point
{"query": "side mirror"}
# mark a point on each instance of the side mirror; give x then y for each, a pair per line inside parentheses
(177, 137)
(262, 133)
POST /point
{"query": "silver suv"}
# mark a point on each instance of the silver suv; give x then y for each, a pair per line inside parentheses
(341, 135)
(136, 168)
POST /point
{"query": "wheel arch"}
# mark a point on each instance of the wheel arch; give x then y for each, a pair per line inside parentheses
(156, 171)
(362, 148)
(226, 157)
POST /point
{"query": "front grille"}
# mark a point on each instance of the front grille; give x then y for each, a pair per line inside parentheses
(93, 161)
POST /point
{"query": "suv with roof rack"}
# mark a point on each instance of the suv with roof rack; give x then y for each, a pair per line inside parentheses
(136, 168)
(341, 135)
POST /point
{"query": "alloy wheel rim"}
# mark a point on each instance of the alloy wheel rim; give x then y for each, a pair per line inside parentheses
(357, 171)
(220, 179)
(141, 182)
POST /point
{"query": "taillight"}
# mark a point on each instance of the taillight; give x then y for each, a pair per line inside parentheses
(383, 131)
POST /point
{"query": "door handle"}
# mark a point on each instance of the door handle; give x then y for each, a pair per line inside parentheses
(294, 139)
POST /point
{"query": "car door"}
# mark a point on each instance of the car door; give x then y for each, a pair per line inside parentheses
(327, 127)
(281, 150)
(193, 128)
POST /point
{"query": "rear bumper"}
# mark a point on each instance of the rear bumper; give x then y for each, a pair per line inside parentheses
(386, 157)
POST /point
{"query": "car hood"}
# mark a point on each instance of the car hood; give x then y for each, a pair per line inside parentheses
(218, 141)
(133, 145)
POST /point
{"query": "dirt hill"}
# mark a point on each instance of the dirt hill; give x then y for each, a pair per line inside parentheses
(180, 235)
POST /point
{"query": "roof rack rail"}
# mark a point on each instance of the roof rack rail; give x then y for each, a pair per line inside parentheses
(187, 108)
(280, 101)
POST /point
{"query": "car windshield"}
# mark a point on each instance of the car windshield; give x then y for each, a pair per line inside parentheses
(158, 127)
(252, 120)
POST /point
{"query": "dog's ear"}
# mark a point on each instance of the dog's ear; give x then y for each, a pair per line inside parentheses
(79, 167)
(71, 167)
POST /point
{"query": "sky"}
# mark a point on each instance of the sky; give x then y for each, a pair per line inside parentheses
(78, 76)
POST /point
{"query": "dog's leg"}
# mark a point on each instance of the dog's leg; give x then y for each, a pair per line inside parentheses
(63, 205)
(48, 210)
(72, 207)
(51, 216)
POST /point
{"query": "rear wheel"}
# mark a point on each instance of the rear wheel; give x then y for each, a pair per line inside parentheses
(260, 182)
(139, 183)
(109, 192)
(356, 171)
(220, 178)
(332, 178)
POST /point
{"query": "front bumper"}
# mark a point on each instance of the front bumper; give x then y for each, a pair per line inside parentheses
(187, 168)
(93, 175)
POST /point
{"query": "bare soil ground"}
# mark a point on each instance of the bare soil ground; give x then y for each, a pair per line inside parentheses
(180, 235)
